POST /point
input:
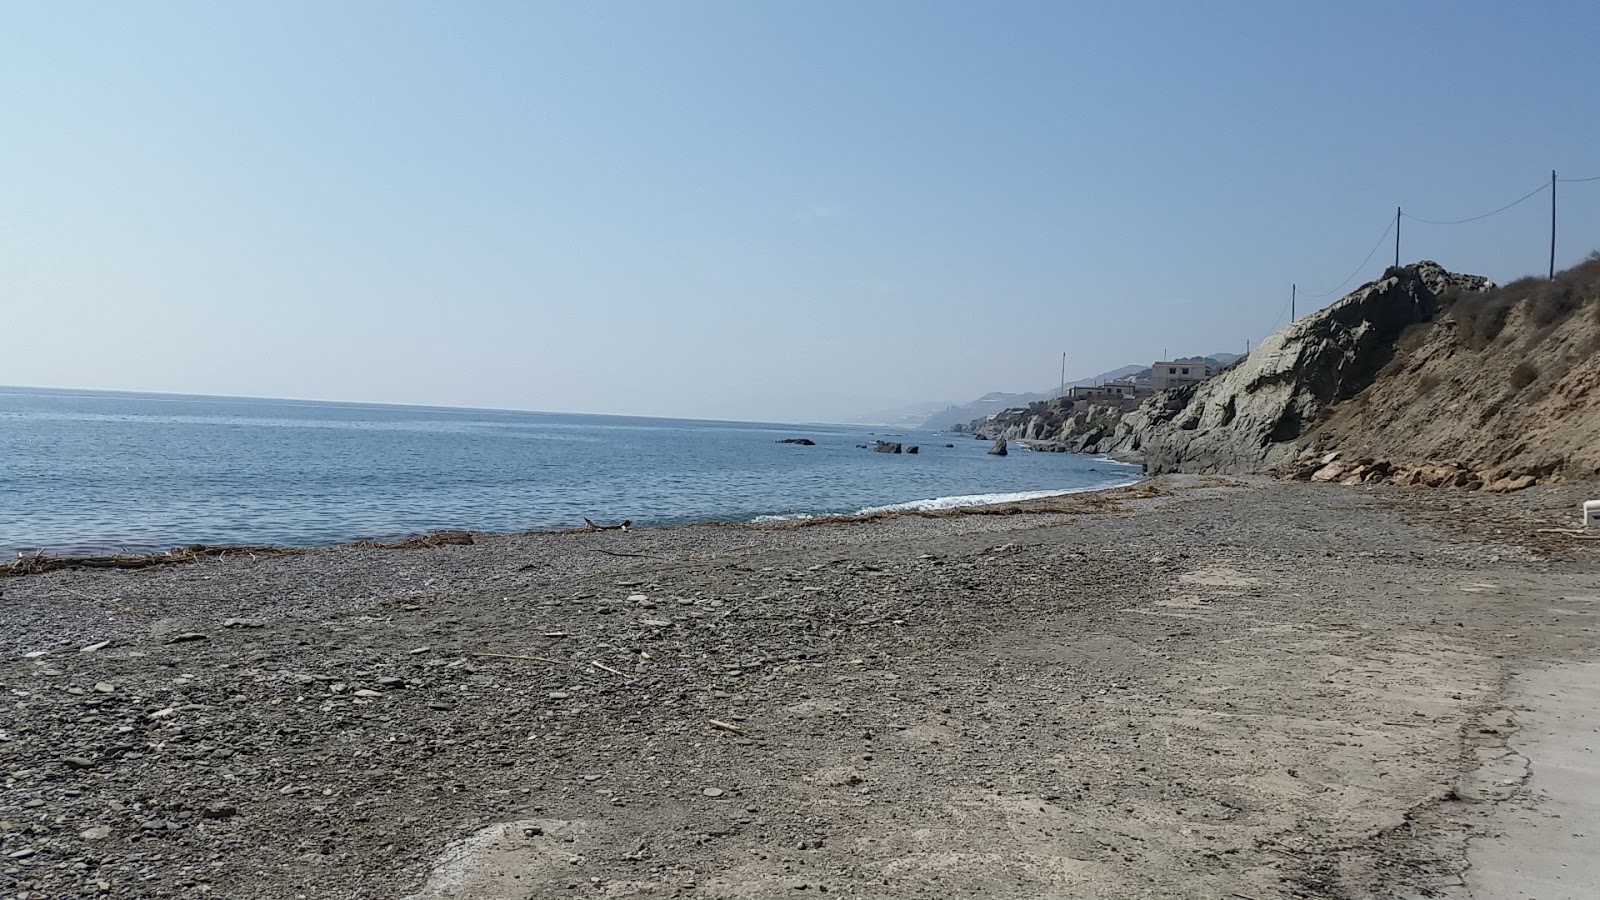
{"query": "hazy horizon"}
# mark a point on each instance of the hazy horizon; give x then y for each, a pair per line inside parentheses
(735, 212)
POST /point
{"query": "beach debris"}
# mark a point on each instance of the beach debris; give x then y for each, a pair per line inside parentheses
(623, 553)
(600, 665)
(726, 726)
(97, 645)
(515, 656)
(621, 526)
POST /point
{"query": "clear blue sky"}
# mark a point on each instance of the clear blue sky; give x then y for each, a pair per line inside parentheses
(781, 211)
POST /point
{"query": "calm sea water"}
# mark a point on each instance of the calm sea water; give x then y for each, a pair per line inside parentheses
(89, 471)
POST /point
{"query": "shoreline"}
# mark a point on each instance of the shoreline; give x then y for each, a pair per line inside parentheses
(1224, 687)
(36, 562)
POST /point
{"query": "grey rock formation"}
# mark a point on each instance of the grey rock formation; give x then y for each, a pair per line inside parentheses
(886, 447)
(1248, 417)
(999, 448)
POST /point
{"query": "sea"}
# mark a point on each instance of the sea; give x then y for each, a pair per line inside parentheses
(97, 472)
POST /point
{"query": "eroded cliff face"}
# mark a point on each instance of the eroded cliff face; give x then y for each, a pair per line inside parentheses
(1249, 417)
(1503, 389)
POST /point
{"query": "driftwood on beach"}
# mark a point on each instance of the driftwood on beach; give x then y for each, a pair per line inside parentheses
(40, 563)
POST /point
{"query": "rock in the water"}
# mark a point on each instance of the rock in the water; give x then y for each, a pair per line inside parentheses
(887, 447)
(999, 448)
(912, 448)
(799, 442)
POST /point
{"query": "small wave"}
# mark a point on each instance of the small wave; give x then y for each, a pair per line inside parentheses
(985, 499)
(792, 517)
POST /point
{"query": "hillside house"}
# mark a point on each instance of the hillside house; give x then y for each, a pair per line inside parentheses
(1109, 392)
(1172, 373)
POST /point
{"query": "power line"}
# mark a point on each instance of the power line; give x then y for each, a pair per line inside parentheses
(1595, 178)
(1535, 192)
(1386, 230)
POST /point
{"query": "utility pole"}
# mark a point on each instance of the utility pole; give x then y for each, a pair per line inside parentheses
(1552, 224)
(1063, 373)
(1291, 303)
(1397, 237)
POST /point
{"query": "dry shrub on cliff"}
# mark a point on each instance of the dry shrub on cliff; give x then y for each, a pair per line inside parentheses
(1523, 375)
(1482, 317)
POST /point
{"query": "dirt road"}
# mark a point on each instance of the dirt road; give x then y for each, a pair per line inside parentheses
(1224, 690)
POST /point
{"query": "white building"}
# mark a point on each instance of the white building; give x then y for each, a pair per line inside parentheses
(1169, 374)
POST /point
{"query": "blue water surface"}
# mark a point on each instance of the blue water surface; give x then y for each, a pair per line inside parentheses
(93, 471)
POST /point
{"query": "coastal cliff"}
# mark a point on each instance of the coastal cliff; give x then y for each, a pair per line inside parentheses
(1254, 415)
(1249, 417)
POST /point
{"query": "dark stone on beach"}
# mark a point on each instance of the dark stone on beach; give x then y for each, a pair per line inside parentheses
(186, 637)
(887, 447)
(801, 442)
(244, 623)
(999, 448)
(912, 448)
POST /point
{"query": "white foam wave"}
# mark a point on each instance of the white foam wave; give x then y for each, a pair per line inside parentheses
(985, 499)
(792, 517)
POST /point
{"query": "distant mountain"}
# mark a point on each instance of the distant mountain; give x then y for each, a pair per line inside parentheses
(988, 404)
(912, 415)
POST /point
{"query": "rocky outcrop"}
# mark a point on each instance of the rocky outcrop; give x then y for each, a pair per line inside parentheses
(999, 448)
(1334, 468)
(1063, 425)
(1248, 417)
(886, 447)
(799, 442)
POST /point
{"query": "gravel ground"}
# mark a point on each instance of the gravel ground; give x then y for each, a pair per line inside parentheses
(1200, 688)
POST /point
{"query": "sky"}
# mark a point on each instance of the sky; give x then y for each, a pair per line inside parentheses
(737, 210)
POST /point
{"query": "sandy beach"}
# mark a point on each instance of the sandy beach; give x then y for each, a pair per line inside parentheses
(1199, 687)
